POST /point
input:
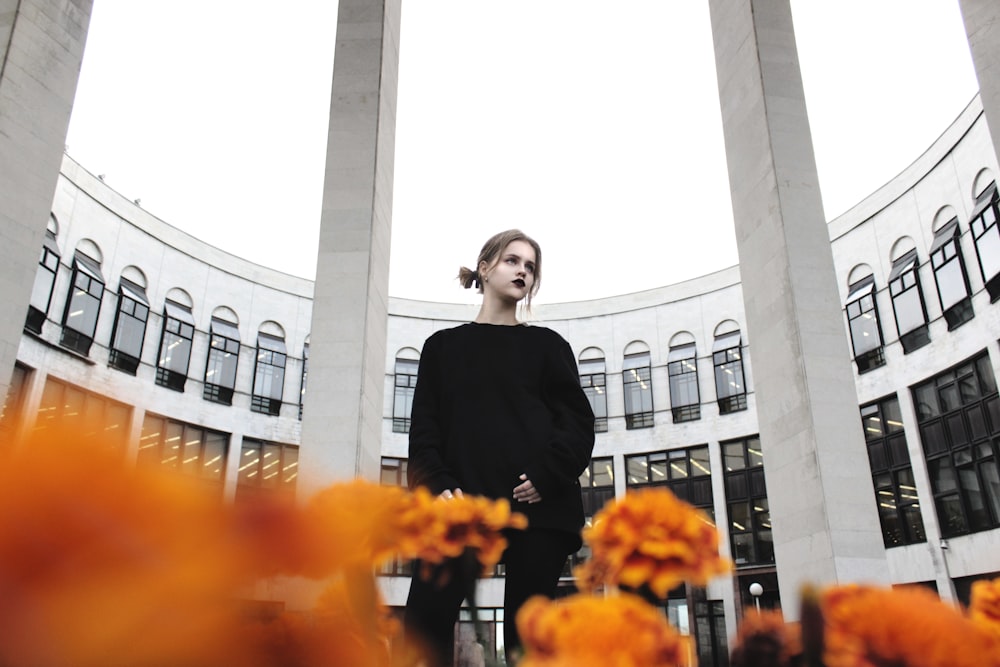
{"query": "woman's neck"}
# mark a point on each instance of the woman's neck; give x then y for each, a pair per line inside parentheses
(492, 312)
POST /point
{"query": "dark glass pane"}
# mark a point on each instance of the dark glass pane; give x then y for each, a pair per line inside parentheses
(637, 469)
(734, 456)
(991, 489)
(956, 430)
(925, 401)
(876, 456)
(914, 524)
(871, 419)
(932, 437)
(898, 454)
(979, 517)
(942, 475)
(950, 515)
(757, 486)
(987, 379)
(699, 462)
(736, 487)
(743, 549)
(977, 421)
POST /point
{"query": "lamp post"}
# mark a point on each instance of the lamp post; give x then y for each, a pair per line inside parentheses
(756, 590)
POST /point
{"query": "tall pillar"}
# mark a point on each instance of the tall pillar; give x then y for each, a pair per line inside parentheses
(982, 17)
(41, 48)
(819, 485)
(342, 415)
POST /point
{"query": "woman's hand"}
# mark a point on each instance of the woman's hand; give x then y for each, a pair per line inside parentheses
(526, 491)
(448, 494)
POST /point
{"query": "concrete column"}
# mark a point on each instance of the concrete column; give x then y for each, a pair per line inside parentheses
(819, 484)
(982, 18)
(41, 48)
(342, 415)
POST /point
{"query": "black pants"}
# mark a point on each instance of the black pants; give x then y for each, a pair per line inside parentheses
(533, 560)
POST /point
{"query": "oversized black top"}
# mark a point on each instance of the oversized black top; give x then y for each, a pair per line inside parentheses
(493, 402)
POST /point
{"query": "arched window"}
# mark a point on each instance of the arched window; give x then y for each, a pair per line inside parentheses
(594, 383)
(45, 280)
(986, 232)
(269, 370)
(638, 386)
(174, 357)
(682, 371)
(404, 382)
(908, 301)
(950, 275)
(223, 357)
(863, 322)
(129, 330)
(83, 303)
(730, 381)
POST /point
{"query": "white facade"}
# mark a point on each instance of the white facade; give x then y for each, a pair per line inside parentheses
(902, 215)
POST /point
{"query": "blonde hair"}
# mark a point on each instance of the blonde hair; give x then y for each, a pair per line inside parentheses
(490, 254)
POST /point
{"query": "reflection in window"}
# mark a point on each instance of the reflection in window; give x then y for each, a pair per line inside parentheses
(958, 412)
(185, 448)
(892, 475)
(866, 332)
(638, 391)
(986, 232)
(686, 472)
(90, 417)
(951, 277)
(730, 383)
(594, 383)
(682, 369)
(223, 358)
(746, 498)
(175, 346)
(45, 280)
(269, 375)
(404, 382)
(267, 468)
(130, 327)
(908, 303)
(82, 305)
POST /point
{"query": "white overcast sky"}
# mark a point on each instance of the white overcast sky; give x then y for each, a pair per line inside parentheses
(592, 125)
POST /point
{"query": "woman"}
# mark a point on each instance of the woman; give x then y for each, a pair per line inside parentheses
(498, 411)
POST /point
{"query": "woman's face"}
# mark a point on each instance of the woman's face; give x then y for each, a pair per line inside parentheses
(513, 274)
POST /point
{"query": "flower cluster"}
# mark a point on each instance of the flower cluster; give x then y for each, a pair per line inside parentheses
(622, 631)
(651, 538)
(984, 607)
(107, 564)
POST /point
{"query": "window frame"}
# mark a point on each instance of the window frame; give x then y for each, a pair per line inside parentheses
(132, 313)
(727, 357)
(638, 388)
(155, 445)
(746, 487)
(223, 343)
(48, 263)
(404, 381)
(904, 281)
(269, 375)
(594, 381)
(678, 470)
(86, 291)
(944, 250)
(252, 476)
(983, 223)
(862, 304)
(682, 360)
(178, 328)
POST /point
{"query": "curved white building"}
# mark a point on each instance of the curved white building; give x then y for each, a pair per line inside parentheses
(197, 359)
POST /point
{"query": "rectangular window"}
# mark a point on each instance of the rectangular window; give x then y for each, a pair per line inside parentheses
(866, 332)
(267, 468)
(958, 413)
(730, 383)
(305, 374)
(175, 346)
(594, 383)
(638, 391)
(686, 472)
(908, 303)
(130, 327)
(393, 473)
(185, 448)
(45, 280)
(223, 358)
(746, 498)
(91, 417)
(597, 486)
(83, 305)
(405, 380)
(269, 375)
(682, 368)
(892, 475)
(710, 632)
(951, 277)
(986, 233)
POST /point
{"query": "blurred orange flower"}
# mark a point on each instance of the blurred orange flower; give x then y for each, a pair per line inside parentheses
(620, 631)
(984, 607)
(869, 627)
(434, 529)
(765, 640)
(651, 537)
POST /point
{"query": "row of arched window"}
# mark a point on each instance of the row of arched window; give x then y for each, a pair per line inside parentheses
(82, 309)
(951, 278)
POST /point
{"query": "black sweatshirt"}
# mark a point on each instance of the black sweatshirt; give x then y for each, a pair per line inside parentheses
(493, 402)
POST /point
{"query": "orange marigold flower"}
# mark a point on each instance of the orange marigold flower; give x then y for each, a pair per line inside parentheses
(765, 640)
(434, 529)
(651, 537)
(623, 631)
(869, 627)
(984, 607)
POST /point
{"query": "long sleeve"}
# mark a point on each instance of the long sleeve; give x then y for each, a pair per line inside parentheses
(427, 466)
(567, 453)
